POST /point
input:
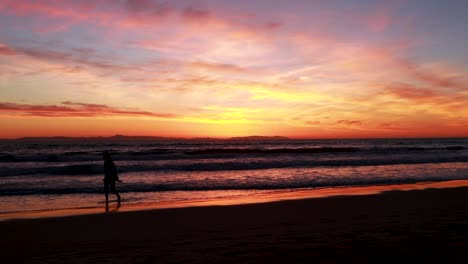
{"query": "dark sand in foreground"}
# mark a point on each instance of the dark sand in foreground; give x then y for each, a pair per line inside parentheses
(422, 226)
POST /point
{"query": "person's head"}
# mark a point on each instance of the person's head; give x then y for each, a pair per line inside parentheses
(106, 155)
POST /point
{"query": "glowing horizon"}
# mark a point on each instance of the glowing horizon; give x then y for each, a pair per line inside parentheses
(301, 69)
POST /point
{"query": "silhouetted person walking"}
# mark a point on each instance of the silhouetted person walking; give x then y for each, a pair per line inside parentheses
(110, 177)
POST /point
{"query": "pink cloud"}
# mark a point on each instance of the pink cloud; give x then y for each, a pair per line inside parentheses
(153, 7)
(430, 77)
(273, 25)
(5, 50)
(135, 15)
(383, 16)
(74, 109)
(49, 8)
(379, 21)
(196, 15)
(221, 67)
(407, 91)
(125, 14)
(104, 12)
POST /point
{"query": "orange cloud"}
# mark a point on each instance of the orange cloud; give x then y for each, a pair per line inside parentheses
(432, 100)
(349, 122)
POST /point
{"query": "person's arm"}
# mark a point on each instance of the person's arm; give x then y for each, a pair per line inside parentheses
(116, 174)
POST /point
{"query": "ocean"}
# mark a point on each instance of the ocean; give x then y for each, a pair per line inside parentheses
(65, 173)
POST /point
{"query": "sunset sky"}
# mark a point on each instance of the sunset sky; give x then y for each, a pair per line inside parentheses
(296, 68)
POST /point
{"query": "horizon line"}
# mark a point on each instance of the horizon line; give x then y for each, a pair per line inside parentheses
(278, 137)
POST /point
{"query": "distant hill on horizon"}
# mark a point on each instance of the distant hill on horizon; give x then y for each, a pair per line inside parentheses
(117, 138)
(135, 138)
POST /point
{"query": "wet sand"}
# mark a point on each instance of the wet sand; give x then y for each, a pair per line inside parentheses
(422, 226)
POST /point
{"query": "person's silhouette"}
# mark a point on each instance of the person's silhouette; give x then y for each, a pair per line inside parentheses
(110, 177)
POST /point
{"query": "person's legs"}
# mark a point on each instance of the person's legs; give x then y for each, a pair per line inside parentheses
(112, 186)
(106, 193)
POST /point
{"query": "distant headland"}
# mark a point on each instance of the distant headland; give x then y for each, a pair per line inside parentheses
(137, 138)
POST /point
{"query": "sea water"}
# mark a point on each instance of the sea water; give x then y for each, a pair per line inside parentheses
(67, 173)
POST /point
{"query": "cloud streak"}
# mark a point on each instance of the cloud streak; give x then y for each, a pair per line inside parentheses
(432, 78)
(406, 91)
(74, 109)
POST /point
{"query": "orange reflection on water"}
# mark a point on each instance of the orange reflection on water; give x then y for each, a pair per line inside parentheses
(274, 196)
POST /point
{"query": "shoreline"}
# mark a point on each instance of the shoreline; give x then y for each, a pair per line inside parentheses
(273, 196)
(426, 225)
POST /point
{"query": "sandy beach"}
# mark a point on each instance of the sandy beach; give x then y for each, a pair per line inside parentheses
(422, 226)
